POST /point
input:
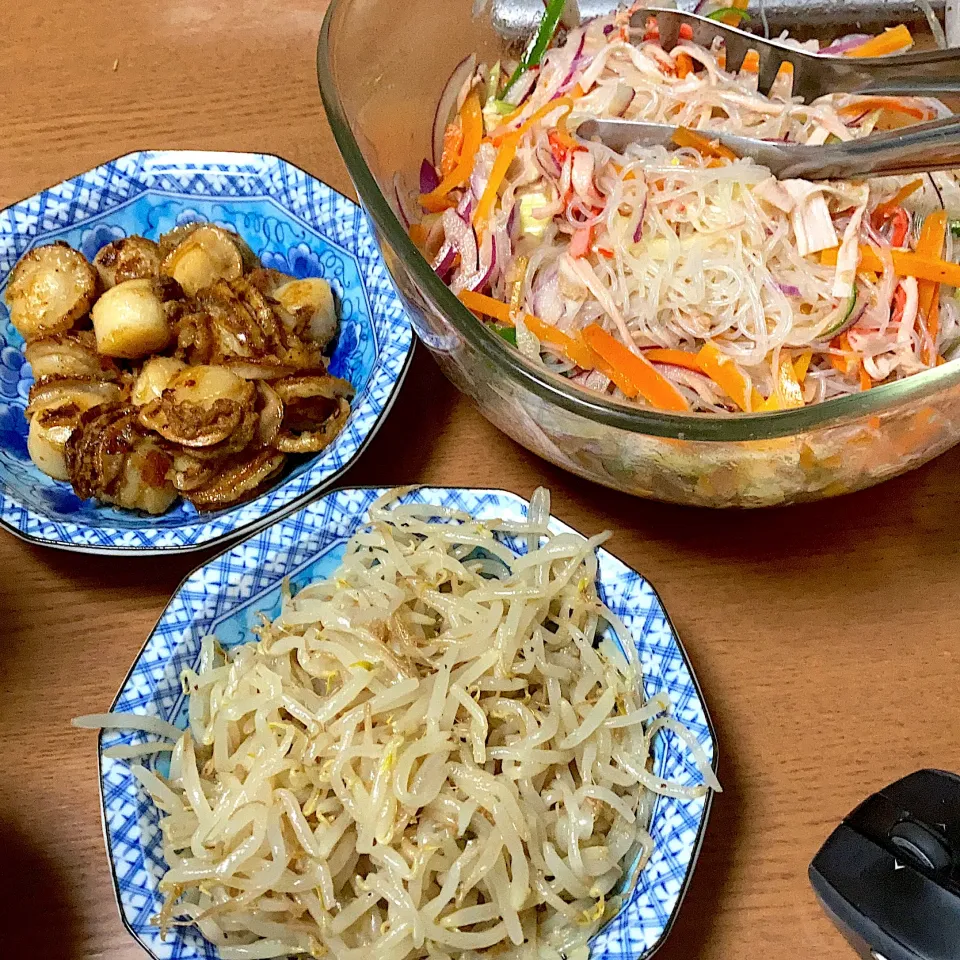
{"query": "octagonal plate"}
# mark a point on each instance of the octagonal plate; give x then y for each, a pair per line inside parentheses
(223, 597)
(296, 224)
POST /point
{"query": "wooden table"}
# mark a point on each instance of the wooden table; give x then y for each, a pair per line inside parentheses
(825, 637)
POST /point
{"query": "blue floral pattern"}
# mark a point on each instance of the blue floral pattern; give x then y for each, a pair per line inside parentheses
(223, 598)
(295, 224)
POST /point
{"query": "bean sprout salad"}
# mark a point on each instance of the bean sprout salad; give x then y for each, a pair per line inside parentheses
(684, 279)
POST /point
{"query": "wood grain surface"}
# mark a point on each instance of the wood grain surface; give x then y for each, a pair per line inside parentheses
(825, 636)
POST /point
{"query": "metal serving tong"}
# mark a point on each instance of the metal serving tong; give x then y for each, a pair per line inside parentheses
(921, 148)
(931, 73)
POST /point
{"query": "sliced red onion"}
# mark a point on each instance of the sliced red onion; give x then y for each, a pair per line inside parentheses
(429, 181)
(448, 101)
(575, 63)
(545, 296)
(621, 100)
(548, 162)
(487, 263)
(459, 234)
(845, 43)
(406, 215)
(522, 89)
(700, 5)
(638, 232)
(482, 168)
(789, 289)
(512, 222)
(466, 205)
(443, 262)
(608, 29)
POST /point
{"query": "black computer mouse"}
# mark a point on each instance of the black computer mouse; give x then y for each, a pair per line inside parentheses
(889, 875)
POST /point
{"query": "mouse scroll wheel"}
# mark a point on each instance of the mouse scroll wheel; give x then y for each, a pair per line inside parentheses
(921, 845)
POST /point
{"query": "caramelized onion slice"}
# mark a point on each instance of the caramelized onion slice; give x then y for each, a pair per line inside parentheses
(50, 289)
(129, 258)
(316, 407)
(270, 410)
(200, 407)
(84, 392)
(154, 378)
(72, 354)
(109, 457)
(237, 481)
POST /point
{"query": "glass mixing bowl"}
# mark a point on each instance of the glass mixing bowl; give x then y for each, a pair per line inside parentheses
(382, 67)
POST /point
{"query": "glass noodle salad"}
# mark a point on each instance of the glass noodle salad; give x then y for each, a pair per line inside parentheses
(688, 279)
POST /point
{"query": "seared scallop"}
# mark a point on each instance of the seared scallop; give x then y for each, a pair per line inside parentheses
(132, 319)
(50, 289)
(129, 258)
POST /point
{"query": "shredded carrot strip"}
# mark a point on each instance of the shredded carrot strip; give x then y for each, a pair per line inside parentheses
(751, 62)
(684, 137)
(865, 382)
(731, 19)
(418, 234)
(676, 358)
(684, 65)
(789, 393)
(845, 364)
(480, 303)
(890, 41)
(566, 102)
(724, 372)
(633, 374)
(508, 151)
(471, 121)
(575, 350)
(905, 264)
(686, 32)
(885, 208)
(930, 245)
(884, 103)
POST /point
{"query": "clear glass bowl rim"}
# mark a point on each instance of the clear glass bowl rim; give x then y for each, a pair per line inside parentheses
(553, 389)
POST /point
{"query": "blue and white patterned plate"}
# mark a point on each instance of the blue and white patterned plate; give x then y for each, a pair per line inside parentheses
(297, 225)
(223, 597)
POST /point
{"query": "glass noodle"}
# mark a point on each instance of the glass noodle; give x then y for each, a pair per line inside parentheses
(667, 252)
